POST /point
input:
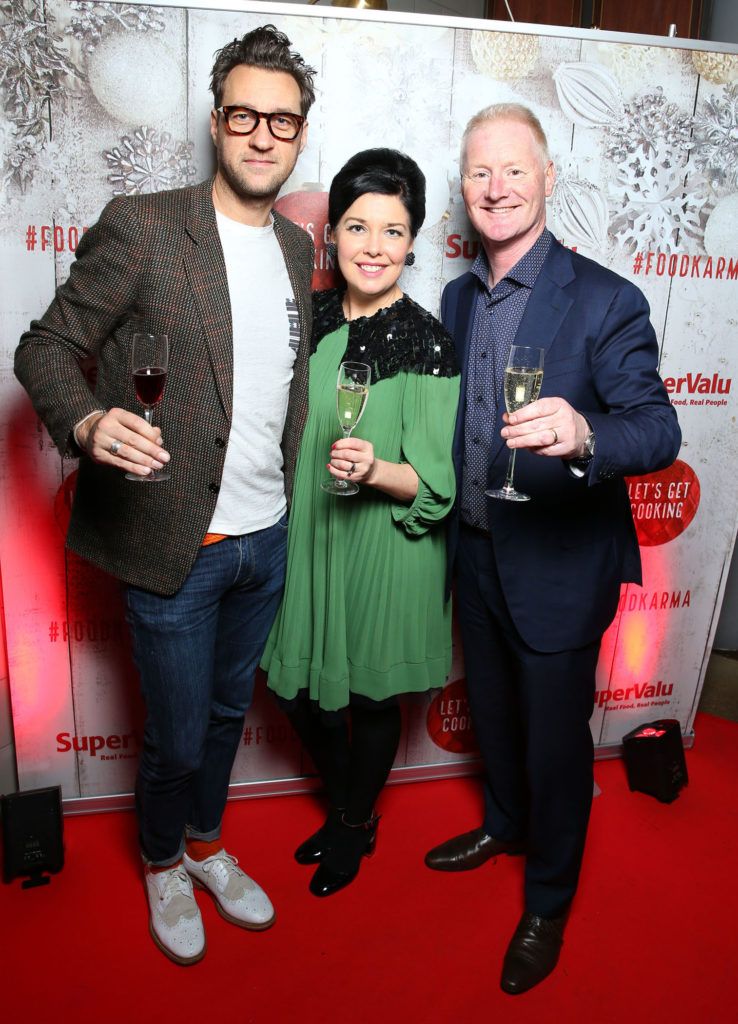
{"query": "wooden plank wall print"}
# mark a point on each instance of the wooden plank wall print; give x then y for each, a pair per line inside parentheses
(103, 99)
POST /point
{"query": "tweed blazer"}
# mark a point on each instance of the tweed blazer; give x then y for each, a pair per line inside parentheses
(154, 263)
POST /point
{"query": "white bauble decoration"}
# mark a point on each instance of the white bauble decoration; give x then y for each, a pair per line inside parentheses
(632, 65)
(138, 79)
(721, 230)
(589, 94)
(582, 212)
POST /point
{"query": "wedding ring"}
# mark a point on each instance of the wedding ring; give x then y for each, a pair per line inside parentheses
(115, 447)
(350, 471)
(556, 437)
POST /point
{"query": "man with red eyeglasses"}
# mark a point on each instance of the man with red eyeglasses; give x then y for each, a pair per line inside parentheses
(202, 554)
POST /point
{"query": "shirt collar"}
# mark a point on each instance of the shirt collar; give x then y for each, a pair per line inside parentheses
(526, 270)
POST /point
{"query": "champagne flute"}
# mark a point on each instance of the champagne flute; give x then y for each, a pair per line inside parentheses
(149, 363)
(352, 391)
(523, 380)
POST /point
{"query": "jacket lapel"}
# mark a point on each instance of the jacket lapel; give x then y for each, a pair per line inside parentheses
(461, 328)
(548, 304)
(296, 272)
(206, 272)
(299, 256)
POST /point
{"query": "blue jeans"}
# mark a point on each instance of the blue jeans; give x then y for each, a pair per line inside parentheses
(197, 652)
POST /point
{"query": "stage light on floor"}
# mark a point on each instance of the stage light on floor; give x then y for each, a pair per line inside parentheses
(654, 759)
(32, 835)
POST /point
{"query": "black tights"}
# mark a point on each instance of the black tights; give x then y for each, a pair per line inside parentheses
(354, 768)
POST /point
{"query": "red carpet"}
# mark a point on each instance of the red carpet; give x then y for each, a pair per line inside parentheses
(653, 935)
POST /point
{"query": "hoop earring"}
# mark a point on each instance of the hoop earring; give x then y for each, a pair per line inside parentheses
(332, 249)
(410, 259)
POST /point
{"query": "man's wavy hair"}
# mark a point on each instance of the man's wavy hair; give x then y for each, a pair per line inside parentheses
(268, 48)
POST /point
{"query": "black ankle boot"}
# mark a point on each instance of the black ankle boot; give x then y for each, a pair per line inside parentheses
(317, 845)
(340, 865)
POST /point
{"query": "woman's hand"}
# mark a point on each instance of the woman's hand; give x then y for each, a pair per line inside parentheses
(352, 459)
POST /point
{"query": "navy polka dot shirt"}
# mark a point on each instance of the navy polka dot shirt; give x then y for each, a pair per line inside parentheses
(497, 316)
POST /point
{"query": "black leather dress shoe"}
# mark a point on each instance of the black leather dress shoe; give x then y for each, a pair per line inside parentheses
(313, 849)
(340, 866)
(328, 880)
(319, 843)
(469, 850)
(533, 952)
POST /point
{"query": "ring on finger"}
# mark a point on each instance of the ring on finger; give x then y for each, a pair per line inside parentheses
(115, 447)
(352, 470)
(556, 437)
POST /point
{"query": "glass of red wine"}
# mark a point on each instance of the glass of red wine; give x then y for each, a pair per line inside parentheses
(149, 361)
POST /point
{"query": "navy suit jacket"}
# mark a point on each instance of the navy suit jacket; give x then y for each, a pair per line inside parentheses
(563, 555)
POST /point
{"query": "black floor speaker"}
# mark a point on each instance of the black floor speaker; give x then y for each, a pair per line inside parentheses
(654, 759)
(32, 835)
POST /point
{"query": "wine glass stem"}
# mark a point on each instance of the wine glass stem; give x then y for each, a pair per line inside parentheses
(508, 484)
(343, 484)
(148, 413)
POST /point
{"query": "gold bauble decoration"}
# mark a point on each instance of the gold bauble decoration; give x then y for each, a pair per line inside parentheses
(504, 54)
(720, 68)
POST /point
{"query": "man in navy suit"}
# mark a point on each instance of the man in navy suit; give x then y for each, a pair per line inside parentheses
(538, 581)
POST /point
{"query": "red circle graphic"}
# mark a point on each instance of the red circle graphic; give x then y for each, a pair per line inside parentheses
(449, 720)
(663, 503)
(308, 208)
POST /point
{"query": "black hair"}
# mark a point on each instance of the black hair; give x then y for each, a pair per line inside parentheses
(268, 48)
(385, 171)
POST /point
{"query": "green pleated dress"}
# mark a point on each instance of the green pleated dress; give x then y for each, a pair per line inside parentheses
(363, 610)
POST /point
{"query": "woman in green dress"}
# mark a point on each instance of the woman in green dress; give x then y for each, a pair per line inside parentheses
(363, 618)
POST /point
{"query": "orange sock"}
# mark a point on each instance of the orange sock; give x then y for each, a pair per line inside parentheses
(201, 849)
(156, 868)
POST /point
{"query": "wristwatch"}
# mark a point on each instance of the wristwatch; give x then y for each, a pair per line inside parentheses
(580, 462)
(589, 444)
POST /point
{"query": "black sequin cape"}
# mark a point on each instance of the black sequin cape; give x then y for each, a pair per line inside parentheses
(401, 338)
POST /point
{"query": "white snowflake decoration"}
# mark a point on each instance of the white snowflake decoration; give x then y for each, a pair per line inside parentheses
(34, 73)
(656, 209)
(91, 20)
(431, 115)
(649, 122)
(716, 138)
(149, 161)
(391, 77)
